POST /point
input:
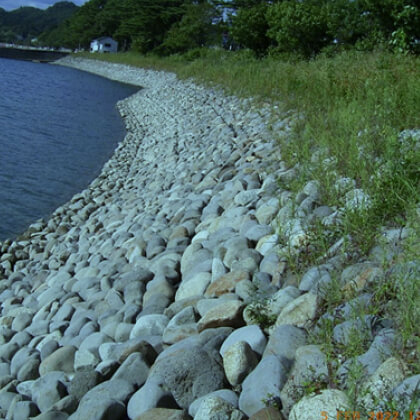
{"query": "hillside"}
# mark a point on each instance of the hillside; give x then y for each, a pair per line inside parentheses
(26, 23)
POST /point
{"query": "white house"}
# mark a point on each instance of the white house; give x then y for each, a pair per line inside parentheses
(104, 44)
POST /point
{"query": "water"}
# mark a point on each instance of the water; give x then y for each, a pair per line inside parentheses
(58, 126)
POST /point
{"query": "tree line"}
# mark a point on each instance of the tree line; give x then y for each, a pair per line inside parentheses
(25, 23)
(305, 27)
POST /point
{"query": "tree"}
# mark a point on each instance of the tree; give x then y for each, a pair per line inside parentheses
(250, 26)
(298, 26)
(197, 28)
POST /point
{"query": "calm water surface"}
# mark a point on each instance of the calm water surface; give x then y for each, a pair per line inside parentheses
(58, 126)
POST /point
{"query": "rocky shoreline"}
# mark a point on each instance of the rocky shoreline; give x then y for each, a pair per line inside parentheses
(145, 296)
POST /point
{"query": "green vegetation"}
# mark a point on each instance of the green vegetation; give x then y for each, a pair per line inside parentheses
(25, 23)
(265, 27)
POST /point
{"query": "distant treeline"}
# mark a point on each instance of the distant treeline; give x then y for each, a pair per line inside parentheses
(26, 23)
(305, 27)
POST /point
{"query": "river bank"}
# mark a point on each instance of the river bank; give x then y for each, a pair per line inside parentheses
(161, 289)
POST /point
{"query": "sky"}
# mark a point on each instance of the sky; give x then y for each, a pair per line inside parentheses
(40, 4)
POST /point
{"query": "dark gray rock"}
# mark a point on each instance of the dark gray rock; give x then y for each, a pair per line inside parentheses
(283, 343)
(133, 370)
(189, 374)
(48, 389)
(266, 380)
(82, 382)
(24, 409)
(100, 409)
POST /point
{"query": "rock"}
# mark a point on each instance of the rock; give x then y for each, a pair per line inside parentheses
(181, 326)
(67, 405)
(267, 379)
(326, 404)
(188, 374)
(406, 393)
(283, 343)
(357, 199)
(61, 360)
(196, 286)
(266, 212)
(100, 408)
(112, 390)
(118, 352)
(251, 334)
(226, 314)
(48, 389)
(150, 395)
(356, 277)
(149, 325)
(25, 410)
(382, 347)
(133, 370)
(299, 312)
(238, 361)
(163, 414)
(82, 382)
(344, 333)
(267, 413)
(376, 392)
(310, 367)
(313, 278)
(224, 394)
(52, 415)
(281, 299)
(218, 409)
(225, 283)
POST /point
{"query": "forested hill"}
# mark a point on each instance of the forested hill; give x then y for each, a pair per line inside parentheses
(26, 23)
(264, 26)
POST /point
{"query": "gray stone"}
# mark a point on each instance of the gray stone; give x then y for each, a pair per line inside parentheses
(195, 286)
(149, 325)
(266, 379)
(52, 415)
(283, 343)
(299, 312)
(120, 351)
(24, 410)
(149, 396)
(48, 389)
(20, 357)
(238, 361)
(67, 405)
(281, 299)
(100, 409)
(82, 382)
(407, 392)
(251, 334)
(133, 370)
(310, 367)
(48, 348)
(115, 389)
(29, 369)
(189, 374)
(224, 394)
(326, 404)
(382, 347)
(181, 326)
(218, 409)
(377, 390)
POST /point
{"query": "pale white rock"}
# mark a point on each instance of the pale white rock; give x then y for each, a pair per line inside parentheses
(326, 404)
